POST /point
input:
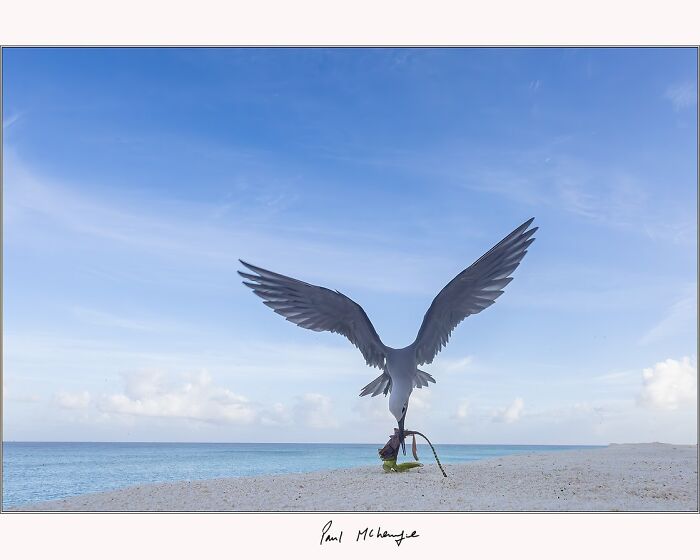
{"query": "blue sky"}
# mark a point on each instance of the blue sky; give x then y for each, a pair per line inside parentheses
(135, 178)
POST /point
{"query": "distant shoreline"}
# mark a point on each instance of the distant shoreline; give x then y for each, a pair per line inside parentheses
(13, 441)
(619, 477)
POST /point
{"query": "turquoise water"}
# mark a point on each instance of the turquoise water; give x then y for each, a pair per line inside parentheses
(35, 472)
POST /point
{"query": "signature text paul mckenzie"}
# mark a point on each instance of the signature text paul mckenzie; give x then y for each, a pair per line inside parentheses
(329, 535)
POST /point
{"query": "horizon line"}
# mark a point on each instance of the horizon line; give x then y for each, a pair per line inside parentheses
(315, 443)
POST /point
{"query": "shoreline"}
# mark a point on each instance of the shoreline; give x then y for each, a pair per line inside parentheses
(619, 477)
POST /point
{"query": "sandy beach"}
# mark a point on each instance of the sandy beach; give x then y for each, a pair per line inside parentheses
(627, 477)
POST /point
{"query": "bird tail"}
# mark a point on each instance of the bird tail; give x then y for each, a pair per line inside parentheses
(421, 379)
(381, 384)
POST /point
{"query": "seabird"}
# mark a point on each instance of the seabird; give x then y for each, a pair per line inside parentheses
(320, 309)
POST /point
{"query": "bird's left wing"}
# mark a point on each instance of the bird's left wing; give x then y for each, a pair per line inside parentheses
(471, 291)
(318, 309)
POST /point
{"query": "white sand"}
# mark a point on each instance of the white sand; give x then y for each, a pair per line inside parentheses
(630, 477)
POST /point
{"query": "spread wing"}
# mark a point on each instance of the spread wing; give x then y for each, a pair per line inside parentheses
(471, 291)
(317, 309)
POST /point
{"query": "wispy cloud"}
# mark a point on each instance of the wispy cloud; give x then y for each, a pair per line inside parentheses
(511, 413)
(463, 409)
(315, 410)
(80, 400)
(373, 411)
(341, 258)
(102, 318)
(549, 176)
(681, 317)
(50, 354)
(450, 366)
(681, 95)
(277, 414)
(617, 377)
(10, 395)
(611, 198)
(573, 286)
(10, 120)
(552, 175)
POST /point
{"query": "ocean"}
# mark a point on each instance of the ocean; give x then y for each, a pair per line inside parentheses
(38, 471)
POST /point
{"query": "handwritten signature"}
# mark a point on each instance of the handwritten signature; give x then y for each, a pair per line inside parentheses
(363, 535)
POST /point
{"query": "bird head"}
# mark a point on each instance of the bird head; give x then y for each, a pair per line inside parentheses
(399, 409)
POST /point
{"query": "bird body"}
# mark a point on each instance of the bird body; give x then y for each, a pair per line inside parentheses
(401, 367)
(320, 309)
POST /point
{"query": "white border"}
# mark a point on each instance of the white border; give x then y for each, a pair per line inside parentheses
(368, 22)
(307, 22)
(232, 536)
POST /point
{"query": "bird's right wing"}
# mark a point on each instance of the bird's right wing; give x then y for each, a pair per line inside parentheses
(471, 291)
(317, 309)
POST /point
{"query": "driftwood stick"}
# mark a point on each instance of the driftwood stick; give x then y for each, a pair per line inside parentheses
(434, 452)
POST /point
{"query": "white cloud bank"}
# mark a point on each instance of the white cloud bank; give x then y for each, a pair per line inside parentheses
(78, 400)
(152, 394)
(511, 413)
(670, 385)
(146, 394)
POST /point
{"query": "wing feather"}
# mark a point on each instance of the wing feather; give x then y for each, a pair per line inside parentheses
(317, 309)
(471, 291)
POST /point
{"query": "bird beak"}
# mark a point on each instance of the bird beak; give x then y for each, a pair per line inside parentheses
(402, 437)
